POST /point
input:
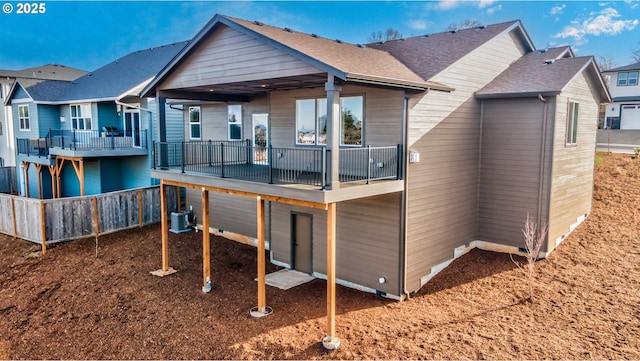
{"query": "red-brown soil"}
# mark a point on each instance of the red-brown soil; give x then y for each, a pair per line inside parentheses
(71, 305)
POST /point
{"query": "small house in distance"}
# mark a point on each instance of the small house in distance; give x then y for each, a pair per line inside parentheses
(376, 165)
(91, 135)
(621, 128)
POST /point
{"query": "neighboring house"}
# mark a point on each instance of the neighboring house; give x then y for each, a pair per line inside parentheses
(379, 164)
(7, 78)
(624, 110)
(91, 135)
(621, 129)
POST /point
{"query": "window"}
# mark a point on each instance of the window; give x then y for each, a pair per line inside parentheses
(81, 117)
(311, 121)
(194, 123)
(572, 123)
(234, 123)
(23, 116)
(628, 78)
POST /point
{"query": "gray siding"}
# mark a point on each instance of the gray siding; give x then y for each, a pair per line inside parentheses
(242, 58)
(514, 151)
(573, 166)
(442, 188)
(368, 240)
(227, 213)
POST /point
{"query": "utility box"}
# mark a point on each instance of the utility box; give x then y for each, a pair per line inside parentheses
(179, 222)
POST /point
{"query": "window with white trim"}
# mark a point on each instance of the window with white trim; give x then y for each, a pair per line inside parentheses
(311, 121)
(81, 117)
(23, 117)
(628, 78)
(572, 123)
(234, 122)
(195, 124)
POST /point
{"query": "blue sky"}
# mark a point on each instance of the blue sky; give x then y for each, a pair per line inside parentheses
(89, 34)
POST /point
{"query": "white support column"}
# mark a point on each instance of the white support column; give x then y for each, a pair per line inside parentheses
(333, 132)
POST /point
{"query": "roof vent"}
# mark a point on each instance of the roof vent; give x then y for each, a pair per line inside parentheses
(549, 61)
(542, 51)
(314, 35)
(360, 45)
(481, 27)
(453, 31)
(426, 35)
(338, 41)
(288, 30)
(258, 23)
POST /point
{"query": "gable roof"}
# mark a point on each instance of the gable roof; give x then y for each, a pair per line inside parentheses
(48, 71)
(345, 61)
(543, 73)
(635, 66)
(428, 55)
(121, 75)
(109, 82)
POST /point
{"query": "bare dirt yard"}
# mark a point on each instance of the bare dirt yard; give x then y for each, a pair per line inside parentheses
(71, 305)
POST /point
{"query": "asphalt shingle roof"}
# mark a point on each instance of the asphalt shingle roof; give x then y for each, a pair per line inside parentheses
(49, 71)
(354, 60)
(635, 66)
(123, 74)
(536, 73)
(107, 82)
(428, 55)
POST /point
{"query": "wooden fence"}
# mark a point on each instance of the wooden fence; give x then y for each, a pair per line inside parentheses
(57, 220)
(8, 180)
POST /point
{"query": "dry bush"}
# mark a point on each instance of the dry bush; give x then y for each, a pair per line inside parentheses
(534, 236)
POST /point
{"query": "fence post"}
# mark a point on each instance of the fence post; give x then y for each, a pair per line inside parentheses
(13, 215)
(323, 180)
(43, 228)
(140, 208)
(153, 153)
(209, 150)
(183, 155)
(399, 162)
(222, 160)
(270, 162)
(369, 163)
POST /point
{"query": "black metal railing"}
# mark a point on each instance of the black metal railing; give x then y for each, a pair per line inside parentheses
(241, 160)
(96, 139)
(82, 140)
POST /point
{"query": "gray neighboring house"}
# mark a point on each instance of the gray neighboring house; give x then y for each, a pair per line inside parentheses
(421, 148)
(621, 129)
(7, 78)
(91, 135)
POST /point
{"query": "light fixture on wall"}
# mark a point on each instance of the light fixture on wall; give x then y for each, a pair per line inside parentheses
(62, 119)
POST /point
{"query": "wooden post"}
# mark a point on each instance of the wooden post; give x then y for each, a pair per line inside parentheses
(96, 224)
(13, 215)
(140, 208)
(206, 244)
(81, 176)
(331, 342)
(262, 309)
(43, 228)
(26, 177)
(52, 173)
(38, 168)
(165, 270)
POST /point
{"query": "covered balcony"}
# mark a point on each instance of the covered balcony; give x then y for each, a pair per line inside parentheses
(307, 167)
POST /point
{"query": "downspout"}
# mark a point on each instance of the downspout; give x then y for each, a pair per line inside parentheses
(479, 170)
(543, 145)
(404, 205)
